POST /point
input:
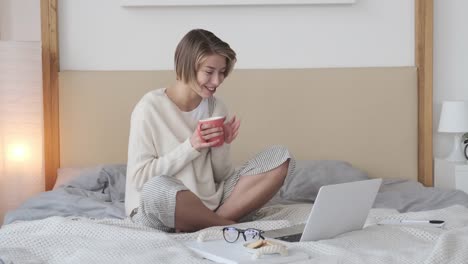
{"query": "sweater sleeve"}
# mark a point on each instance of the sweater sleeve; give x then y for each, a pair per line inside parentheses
(221, 156)
(143, 159)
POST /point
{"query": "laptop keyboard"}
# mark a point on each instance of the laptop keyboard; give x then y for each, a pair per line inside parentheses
(291, 238)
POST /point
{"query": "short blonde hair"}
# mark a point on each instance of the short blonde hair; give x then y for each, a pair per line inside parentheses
(196, 45)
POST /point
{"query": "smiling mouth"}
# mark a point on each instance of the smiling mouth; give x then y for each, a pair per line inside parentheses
(211, 89)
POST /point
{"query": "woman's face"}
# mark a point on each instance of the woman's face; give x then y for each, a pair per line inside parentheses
(210, 75)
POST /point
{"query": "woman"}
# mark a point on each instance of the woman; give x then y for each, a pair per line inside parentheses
(176, 179)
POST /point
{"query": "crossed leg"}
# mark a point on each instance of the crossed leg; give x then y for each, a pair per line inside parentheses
(192, 215)
(250, 193)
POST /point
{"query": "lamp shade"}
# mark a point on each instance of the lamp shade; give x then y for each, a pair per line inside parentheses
(454, 117)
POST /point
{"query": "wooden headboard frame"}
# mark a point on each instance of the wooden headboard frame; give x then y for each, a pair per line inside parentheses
(51, 68)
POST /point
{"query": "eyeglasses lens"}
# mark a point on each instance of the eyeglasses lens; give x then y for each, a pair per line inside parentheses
(230, 234)
(251, 234)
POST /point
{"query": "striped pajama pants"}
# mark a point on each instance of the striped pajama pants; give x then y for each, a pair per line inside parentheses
(158, 196)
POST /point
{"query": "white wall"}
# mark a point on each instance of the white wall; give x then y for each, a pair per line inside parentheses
(102, 35)
(20, 20)
(450, 62)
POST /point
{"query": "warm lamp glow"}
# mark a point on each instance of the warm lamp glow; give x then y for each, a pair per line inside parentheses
(18, 152)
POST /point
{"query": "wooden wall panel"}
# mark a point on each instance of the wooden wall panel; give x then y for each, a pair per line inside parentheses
(50, 87)
(424, 62)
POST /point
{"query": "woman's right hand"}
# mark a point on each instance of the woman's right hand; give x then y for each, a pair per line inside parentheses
(207, 131)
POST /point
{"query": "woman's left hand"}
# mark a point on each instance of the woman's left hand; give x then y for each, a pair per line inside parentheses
(231, 129)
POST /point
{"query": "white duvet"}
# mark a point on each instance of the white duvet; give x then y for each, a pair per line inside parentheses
(80, 240)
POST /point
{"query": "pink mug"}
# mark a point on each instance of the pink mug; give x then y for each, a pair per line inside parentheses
(216, 121)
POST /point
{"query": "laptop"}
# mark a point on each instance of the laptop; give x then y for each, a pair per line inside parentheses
(338, 208)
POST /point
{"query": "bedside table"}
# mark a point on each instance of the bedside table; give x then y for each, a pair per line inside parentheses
(451, 175)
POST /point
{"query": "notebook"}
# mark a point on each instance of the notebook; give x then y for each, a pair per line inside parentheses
(235, 253)
(338, 209)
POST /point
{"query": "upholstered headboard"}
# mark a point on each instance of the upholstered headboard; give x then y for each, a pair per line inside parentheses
(366, 116)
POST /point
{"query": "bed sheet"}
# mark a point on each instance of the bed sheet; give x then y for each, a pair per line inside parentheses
(83, 240)
(84, 222)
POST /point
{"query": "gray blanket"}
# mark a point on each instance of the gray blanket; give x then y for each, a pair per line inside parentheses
(100, 193)
(412, 196)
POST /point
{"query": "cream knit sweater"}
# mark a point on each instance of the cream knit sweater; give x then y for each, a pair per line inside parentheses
(159, 144)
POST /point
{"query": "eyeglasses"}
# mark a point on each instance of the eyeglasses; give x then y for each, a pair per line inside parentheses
(231, 234)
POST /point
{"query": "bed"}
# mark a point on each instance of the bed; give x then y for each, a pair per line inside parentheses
(341, 124)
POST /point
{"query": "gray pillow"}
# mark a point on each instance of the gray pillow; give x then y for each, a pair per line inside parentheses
(304, 183)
